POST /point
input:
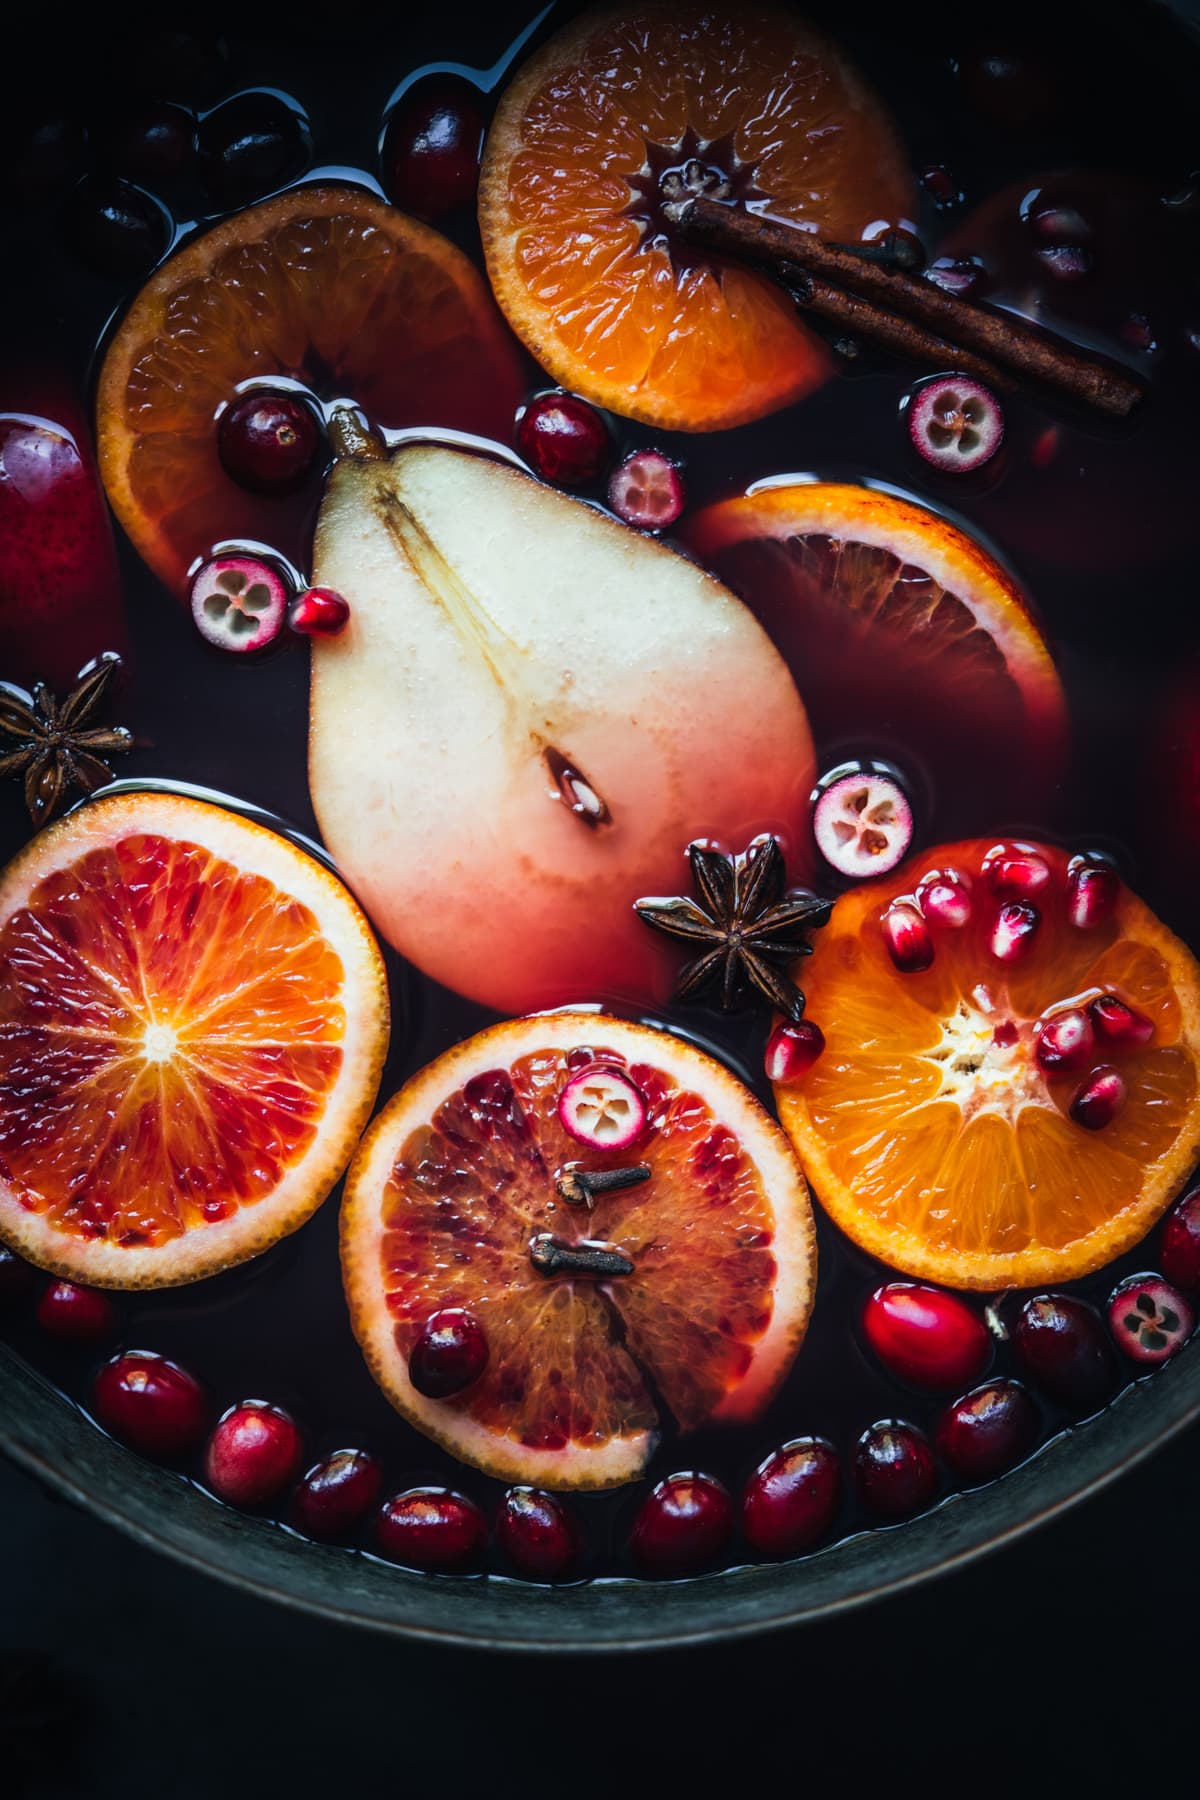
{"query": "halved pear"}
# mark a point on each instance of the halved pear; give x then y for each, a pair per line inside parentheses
(531, 713)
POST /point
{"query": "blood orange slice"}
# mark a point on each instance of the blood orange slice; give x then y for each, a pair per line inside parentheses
(937, 1126)
(456, 1180)
(328, 286)
(193, 1020)
(621, 112)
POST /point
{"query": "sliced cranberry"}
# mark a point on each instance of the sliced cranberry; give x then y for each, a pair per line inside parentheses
(449, 1355)
(602, 1108)
(925, 1335)
(988, 1431)
(894, 1469)
(239, 603)
(945, 899)
(253, 1453)
(16, 1277)
(955, 424)
(862, 821)
(1099, 1100)
(431, 1528)
(791, 1500)
(432, 145)
(792, 1049)
(647, 491)
(1014, 931)
(1064, 1041)
(1150, 1320)
(1093, 889)
(318, 612)
(1180, 1249)
(1118, 1025)
(151, 1404)
(564, 440)
(268, 442)
(79, 1313)
(337, 1494)
(538, 1535)
(907, 937)
(682, 1526)
(1060, 1343)
(1015, 872)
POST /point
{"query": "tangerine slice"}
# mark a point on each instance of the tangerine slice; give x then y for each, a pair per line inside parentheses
(456, 1178)
(928, 1128)
(324, 285)
(753, 106)
(193, 1021)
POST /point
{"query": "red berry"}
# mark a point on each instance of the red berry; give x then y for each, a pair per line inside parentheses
(940, 185)
(955, 424)
(239, 603)
(79, 1313)
(862, 821)
(1060, 1343)
(253, 1453)
(1149, 1319)
(564, 440)
(1066, 262)
(602, 1108)
(150, 1403)
(268, 442)
(115, 228)
(1180, 1249)
(337, 1494)
(318, 612)
(647, 491)
(1014, 930)
(1093, 889)
(450, 1353)
(1099, 1100)
(431, 1528)
(682, 1525)
(151, 144)
(926, 1336)
(945, 899)
(894, 1469)
(1015, 872)
(432, 145)
(907, 937)
(791, 1500)
(1118, 1024)
(1065, 1041)
(987, 1431)
(538, 1535)
(792, 1049)
(249, 145)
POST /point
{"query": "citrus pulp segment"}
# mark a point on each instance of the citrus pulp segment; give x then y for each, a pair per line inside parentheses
(457, 1176)
(193, 1021)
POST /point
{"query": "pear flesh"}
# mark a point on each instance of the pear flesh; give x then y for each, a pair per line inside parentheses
(529, 716)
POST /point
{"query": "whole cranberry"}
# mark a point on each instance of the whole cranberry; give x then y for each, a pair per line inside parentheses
(538, 1535)
(337, 1494)
(268, 442)
(894, 1469)
(1150, 1320)
(1060, 1343)
(153, 144)
(249, 145)
(926, 1336)
(564, 440)
(450, 1353)
(432, 144)
(151, 1404)
(431, 1528)
(1180, 1251)
(987, 1431)
(791, 1500)
(253, 1453)
(682, 1526)
(115, 228)
(80, 1314)
(16, 1277)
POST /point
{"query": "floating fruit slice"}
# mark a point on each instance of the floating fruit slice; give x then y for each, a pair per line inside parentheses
(193, 1020)
(326, 285)
(452, 1202)
(627, 111)
(904, 635)
(931, 1129)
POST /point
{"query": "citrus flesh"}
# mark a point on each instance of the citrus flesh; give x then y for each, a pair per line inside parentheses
(751, 105)
(328, 286)
(193, 1020)
(457, 1176)
(927, 1128)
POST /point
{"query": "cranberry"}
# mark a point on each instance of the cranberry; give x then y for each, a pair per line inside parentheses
(1093, 889)
(1064, 1041)
(792, 1049)
(432, 145)
(16, 1277)
(151, 1404)
(1180, 1248)
(239, 603)
(791, 1500)
(1060, 1343)
(1099, 1100)
(602, 1108)
(153, 144)
(682, 1525)
(966, 276)
(1118, 1024)
(250, 145)
(115, 228)
(450, 1353)
(538, 1534)
(253, 1453)
(431, 1528)
(647, 491)
(987, 1431)
(862, 820)
(318, 612)
(337, 1494)
(926, 1336)
(1055, 224)
(563, 439)
(268, 442)
(907, 937)
(894, 1469)
(954, 424)
(1149, 1319)
(80, 1313)
(1014, 931)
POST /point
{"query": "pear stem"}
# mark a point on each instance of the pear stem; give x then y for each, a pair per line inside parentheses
(351, 436)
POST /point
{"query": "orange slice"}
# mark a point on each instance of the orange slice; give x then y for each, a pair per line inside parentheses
(457, 1176)
(927, 1127)
(906, 638)
(193, 1020)
(326, 285)
(751, 104)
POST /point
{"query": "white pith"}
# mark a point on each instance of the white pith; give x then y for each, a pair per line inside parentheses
(978, 1074)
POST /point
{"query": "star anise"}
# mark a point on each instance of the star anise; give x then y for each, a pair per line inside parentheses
(747, 922)
(57, 747)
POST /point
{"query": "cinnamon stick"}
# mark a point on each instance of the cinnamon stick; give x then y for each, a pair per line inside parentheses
(916, 318)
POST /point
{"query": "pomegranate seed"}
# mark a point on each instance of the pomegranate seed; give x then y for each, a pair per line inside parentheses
(538, 1535)
(1066, 262)
(1045, 447)
(962, 275)
(926, 1336)
(78, 1313)
(647, 491)
(682, 1526)
(602, 1108)
(564, 440)
(431, 1528)
(1058, 225)
(987, 1431)
(1100, 1099)
(318, 612)
(268, 442)
(1149, 1319)
(1138, 333)
(336, 1494)
(1060, 1343)
(450, 1353)
(1064, 1041)
(862, 821)
(1118, 1024)
(151, 1404)
(1014, 931)
(431, 146)
(907, 937)
(940, 185)
(894, 1469)
(1092, 892)
(1006, 1035)
(792, 1050)
(1180, 1249)
(1015, 872)
(253, 1453)
(16, 1277)
(944, 899)
(239, 603)
(792, 1499)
